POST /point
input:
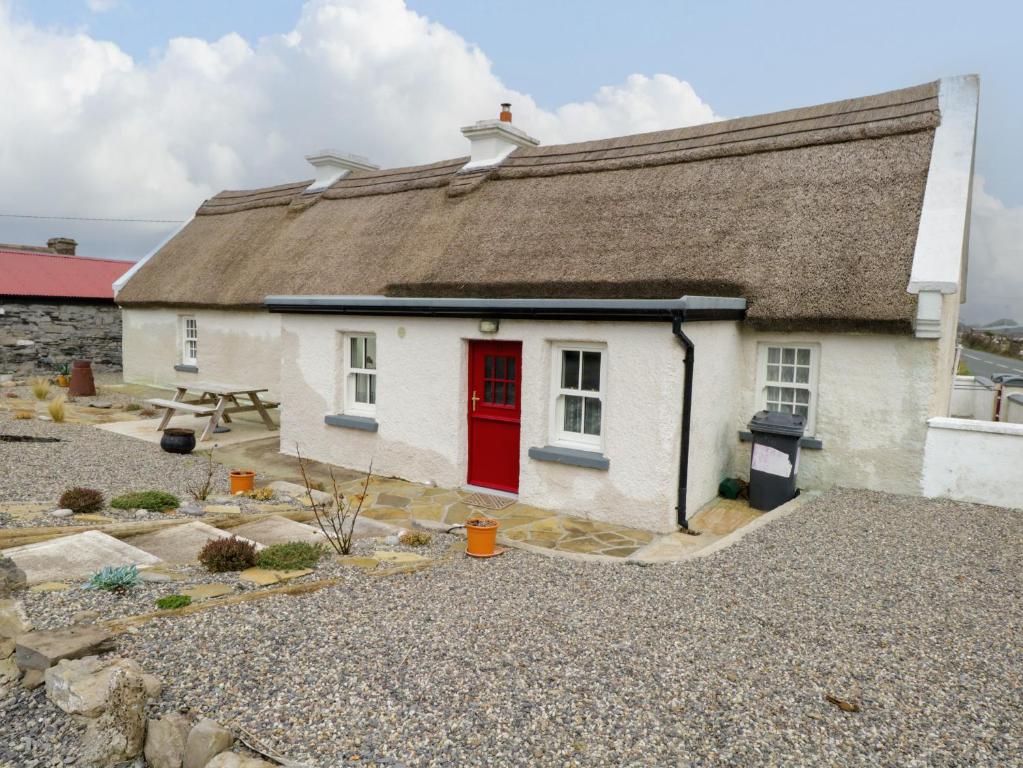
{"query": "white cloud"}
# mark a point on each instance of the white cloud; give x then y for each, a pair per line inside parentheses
(90, 131)
(994, 285)
(102, 6)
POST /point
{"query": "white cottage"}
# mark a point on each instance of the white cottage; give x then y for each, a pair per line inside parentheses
(590, 326)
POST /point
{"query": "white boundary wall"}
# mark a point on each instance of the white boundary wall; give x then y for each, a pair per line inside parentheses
(977, 461)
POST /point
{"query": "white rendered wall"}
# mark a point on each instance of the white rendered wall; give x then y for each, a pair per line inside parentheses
(421, 409)
(875, 394)
(975, 461)
(240, 347)
(1013, 411)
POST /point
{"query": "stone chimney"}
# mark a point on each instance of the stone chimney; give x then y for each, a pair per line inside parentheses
(492, 141)
(332, 165)
(65, 246)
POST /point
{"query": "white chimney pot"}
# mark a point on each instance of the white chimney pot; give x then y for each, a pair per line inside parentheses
(492, 141)
(332, 165)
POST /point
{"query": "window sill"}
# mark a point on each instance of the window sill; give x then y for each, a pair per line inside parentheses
(570, 456)
(365, 423)
(186, 368)
(810, 443)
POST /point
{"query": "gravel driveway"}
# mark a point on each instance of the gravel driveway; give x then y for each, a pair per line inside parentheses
(89, 457)
(909, 608)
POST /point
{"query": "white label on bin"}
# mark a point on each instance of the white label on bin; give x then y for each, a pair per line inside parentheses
(771, 460)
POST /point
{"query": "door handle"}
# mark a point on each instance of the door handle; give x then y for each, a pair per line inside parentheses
(474, 400)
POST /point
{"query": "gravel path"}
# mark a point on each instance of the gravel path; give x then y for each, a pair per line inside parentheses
(910, 608)
(93, 458)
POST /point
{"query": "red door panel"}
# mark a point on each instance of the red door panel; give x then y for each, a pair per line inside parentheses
(494, 410)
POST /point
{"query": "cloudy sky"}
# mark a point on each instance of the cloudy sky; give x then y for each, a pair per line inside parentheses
(137, 109)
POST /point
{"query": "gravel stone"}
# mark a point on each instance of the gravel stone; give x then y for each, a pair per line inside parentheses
(908, 608)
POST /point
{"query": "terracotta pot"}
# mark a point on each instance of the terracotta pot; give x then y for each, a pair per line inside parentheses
(178, 440)
(480, 536)
(242, 480)
(82, 382)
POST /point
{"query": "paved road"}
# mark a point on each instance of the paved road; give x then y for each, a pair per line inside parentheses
(986, 364)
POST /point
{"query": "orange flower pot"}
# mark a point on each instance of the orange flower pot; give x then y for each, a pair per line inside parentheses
(62, 381)
(481, 536)
(242, 480)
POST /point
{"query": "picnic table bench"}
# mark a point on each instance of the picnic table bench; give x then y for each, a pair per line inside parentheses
(217, 401)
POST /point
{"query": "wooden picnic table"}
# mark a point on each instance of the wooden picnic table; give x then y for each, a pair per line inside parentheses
(216, 400)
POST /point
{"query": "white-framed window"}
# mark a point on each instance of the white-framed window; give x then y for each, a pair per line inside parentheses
(578, 388)
(360, 378)
(189, 340)
(787, 380)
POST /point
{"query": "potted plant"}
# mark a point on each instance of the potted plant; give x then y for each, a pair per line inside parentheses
(177, 440)
(481, 536)
(64, 371)
(242, 480)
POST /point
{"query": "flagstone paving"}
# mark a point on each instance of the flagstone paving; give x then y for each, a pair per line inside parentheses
(406, 504)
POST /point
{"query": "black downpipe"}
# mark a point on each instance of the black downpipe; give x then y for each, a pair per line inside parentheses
(687, 412)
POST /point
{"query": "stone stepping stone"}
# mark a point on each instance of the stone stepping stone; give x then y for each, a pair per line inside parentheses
(76, 557)
(398, 558)
(49, 586)
(201, 592)
(264, 577)
(365, 563)
(180, 544)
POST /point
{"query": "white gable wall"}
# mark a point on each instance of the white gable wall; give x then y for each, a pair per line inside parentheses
(235, 346)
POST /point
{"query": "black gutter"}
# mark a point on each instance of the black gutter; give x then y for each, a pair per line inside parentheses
(687, 414)
(646, 310)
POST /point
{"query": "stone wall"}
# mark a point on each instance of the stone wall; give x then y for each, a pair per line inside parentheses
(36, 336)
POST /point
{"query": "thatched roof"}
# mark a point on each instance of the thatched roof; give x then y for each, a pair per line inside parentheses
(810, 214)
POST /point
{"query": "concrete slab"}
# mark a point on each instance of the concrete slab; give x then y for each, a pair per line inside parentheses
(181, 543)
(77, 556)
(722, 516)
(277, 530)
(242, 430)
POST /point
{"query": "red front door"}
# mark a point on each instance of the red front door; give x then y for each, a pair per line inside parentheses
(495, 386)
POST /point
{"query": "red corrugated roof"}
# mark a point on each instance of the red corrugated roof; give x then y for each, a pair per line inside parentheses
(23, 273)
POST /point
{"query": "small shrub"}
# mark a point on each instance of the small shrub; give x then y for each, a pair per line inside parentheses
(114, 579)
(154, 501)
(40, 387)
(233, 554)
(81, 500)
(170, 602)
(290, 556)
(56, 408)
(260, 494)
(23, 415)
(148, 412)
(133, 407)
(415, 538)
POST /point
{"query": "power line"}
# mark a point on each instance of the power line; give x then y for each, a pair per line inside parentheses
(89, 218)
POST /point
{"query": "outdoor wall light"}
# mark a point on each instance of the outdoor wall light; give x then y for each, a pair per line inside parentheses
(489, 326)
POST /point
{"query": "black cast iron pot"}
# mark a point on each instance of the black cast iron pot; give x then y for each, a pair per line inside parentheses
(178, 440)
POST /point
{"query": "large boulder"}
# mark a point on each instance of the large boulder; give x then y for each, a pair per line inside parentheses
(41, 650)
(165, 740)
(12, 578)
(206, 740)
(237, 760)
(117, 735)
(13, 620)
(84, 686)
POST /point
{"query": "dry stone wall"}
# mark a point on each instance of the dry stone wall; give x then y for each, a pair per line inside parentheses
(36, 336)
